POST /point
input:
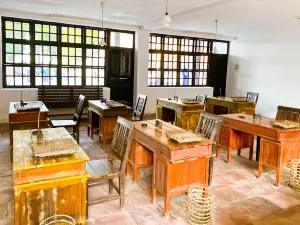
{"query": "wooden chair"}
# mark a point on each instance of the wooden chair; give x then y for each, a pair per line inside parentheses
(138, 112)
(209, 126)
(105, 170)
(75, 122)
(201, 98)
(288, 113)
(252, 97)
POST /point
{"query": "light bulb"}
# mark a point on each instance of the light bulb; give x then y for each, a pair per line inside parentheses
(102, 42)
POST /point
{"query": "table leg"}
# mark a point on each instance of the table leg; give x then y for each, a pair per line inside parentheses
(167, 194)
(154, 192)
(135, 174)
(229, 155)
(279, 166)
(217, 152)
(257, 147)
(239, 152)
(260, 163)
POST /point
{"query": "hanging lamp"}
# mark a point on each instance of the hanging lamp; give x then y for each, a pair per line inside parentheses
(167, 19)
(102, 41)
(215, 50)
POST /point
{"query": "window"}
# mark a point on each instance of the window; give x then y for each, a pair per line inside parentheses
(38, 53)
(180, 61)
(95, 62)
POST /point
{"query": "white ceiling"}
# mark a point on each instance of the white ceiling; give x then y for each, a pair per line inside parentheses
(248, 20)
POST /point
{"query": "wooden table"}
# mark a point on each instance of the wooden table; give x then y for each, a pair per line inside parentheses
(25, 120)
(43, 187)
(277, 146)
(175, 166)
(107, 118)
(185, 116)
(224, 105)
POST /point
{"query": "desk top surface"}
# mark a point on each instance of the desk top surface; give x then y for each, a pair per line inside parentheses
(161, 137)
(264, 122)
(104, 106)
(179, 105)
(12, 109)
(22, 153)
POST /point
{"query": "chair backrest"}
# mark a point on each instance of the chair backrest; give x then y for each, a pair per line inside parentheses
(121, 142)
(79, 109)
(252, 97)
(288, 113)
(140, 106)
(209, 125)
(201, 98)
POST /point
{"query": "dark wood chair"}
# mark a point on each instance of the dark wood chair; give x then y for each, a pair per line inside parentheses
(138, 112)
(209, 126)
(201, 98)
(252, 97)
(108, 169)
(288, 113)
(75, 122)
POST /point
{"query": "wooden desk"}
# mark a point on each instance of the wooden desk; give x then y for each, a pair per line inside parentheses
(175, 166)
(228, 106)
(277, 146)
(107, 118)
(43, 187)
(24, 121)
(185, 116)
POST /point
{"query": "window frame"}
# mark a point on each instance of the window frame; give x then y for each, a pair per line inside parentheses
(59, 44)
(194, 53)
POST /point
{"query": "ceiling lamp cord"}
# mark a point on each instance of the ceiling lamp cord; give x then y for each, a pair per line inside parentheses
(102, 41)
(167, 19)
(215, 50)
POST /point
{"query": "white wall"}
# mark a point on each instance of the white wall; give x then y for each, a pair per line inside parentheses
(158, 92)
(271, 69)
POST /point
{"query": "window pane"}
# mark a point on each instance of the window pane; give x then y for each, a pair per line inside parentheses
(124, 40)
(221, 47)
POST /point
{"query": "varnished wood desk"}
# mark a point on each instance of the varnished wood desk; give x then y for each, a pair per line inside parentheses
(25, 120)
(175, 166)
(44, 187)
(277, 146)
(107, 118)
(217, 105)
(185, 116)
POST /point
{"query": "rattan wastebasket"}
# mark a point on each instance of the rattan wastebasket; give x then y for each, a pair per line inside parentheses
(200, 205)
(294, 181)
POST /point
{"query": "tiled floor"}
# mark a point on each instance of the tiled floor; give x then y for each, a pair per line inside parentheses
(241, 198)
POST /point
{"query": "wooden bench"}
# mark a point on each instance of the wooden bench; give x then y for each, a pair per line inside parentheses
(61, 101)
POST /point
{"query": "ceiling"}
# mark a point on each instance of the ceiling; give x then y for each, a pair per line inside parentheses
(248, 20)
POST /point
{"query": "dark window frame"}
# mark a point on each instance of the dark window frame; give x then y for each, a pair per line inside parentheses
(194, 53)
(59, 44)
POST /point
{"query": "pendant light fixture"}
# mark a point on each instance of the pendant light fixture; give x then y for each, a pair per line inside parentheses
(167, 19)
(215, 50)
(102, 41)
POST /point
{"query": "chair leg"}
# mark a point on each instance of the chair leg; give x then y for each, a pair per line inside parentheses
(110, 187)
(211, 170)
(87, 201)
(121, 187)
(251, 154)
(77, 134)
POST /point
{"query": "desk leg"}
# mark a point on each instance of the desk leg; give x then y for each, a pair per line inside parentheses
(229, 155)
(257, 147)
(167, 194)
(11, 143)
(154, 192)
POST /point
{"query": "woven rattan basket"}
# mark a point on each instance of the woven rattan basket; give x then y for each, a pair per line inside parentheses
(294, 182)
(58, 220)
(200, 205)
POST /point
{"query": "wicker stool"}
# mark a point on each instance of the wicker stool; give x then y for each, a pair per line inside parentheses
(58, 220)
(295, 174)
(200, 205)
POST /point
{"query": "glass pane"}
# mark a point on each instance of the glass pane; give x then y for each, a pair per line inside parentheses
(124, 40)
(9, 25)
